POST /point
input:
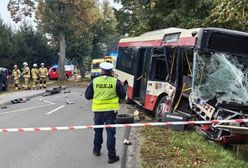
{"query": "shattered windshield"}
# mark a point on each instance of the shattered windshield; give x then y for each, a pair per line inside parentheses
(221, 76)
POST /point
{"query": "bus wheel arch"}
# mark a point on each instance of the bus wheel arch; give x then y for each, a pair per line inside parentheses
(159, 107)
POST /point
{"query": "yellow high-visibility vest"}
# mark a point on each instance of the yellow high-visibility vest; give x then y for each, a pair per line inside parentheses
(105, 97)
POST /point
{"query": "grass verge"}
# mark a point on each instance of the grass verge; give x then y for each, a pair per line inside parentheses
(162, 148)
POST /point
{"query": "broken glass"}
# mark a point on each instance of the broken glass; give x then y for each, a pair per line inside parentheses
(221, 76)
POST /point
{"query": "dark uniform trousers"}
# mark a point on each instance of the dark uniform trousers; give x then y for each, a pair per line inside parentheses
(101, 118)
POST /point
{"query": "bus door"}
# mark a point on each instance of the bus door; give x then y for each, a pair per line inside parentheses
(142, 73)
(145, 75)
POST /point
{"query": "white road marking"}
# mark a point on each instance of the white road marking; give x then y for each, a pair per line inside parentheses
(50, 112)
(30, 108)
(48, 101)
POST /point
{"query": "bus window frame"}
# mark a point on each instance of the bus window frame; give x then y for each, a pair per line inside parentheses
(166, 62)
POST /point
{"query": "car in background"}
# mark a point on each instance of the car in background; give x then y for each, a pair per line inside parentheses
(4, 75)
(53, 72)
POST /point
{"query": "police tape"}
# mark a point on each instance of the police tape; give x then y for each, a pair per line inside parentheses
(64, 128)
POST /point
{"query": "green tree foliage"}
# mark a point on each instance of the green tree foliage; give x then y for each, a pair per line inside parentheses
(24, 45)
(64, 18)
(33, 46)
(6, 45)
(105, 33)
(136, 17)
(59, 18)
(78, 48)
(232, 14)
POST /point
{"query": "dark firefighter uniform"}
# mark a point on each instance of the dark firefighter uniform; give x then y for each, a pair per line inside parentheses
(105, 91)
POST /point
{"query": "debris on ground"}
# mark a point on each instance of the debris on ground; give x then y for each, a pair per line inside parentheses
(20, 100)
(55, 90)
(67, 91)
(4, 107)
(136, 115)
(127, 142)
(69, 102)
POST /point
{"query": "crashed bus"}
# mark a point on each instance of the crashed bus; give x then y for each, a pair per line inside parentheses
(220, 83)
(159, 67)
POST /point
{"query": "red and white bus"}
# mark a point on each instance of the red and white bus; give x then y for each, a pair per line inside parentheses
(154, 66)
(202, 71)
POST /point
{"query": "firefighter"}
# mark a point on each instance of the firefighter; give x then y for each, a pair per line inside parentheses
(105, 91)
(35, 74)
(16, 74)
(26, 75)
(43, 73)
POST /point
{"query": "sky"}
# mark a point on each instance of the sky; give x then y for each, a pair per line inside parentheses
(5, 15)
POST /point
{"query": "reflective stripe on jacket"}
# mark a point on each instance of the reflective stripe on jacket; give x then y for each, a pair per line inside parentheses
(16, 73)
(26, 72)
(43, 72)
(105, 97)
(35, 73)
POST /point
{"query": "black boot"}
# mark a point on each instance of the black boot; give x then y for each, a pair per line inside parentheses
(113, 160)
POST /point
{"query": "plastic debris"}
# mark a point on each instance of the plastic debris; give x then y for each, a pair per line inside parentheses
(127, 142)
(20, 100)
(4, 107)
(55, 90)
(69, 102)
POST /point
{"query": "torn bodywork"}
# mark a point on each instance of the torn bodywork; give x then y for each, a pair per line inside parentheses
(220, 85)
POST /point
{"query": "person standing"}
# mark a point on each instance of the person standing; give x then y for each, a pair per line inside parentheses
(35, 73)
(43, 73)
(26, 75)
(105, 91)
(16, 74)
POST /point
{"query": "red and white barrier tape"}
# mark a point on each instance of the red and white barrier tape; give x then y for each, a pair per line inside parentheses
(37, 129)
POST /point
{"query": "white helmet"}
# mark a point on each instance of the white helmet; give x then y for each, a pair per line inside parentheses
(42, 64)
(35, 65)
(25, 63)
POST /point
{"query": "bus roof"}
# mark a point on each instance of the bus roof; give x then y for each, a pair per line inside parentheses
(156, 38)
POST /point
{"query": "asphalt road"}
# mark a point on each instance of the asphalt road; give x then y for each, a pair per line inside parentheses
(60, 149)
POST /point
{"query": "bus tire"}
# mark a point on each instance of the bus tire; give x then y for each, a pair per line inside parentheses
(124, 119)
(159, 114)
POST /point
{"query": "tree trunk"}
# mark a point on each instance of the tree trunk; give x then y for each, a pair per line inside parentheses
(81, 68)
(61, 63)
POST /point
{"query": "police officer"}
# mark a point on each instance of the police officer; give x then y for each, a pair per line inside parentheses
(105, 91)
(35, 73)
(43, 73)
(16, 74)
(26, 75)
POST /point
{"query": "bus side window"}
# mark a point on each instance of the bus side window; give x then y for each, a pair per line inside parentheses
(125, 61)
(158, 69)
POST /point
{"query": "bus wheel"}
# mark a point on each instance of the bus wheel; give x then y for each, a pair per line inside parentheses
(159, 111)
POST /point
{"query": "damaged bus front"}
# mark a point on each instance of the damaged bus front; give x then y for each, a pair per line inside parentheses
(220, 83)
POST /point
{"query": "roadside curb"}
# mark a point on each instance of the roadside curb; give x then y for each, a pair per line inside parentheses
(132, 159)
(7, 103)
